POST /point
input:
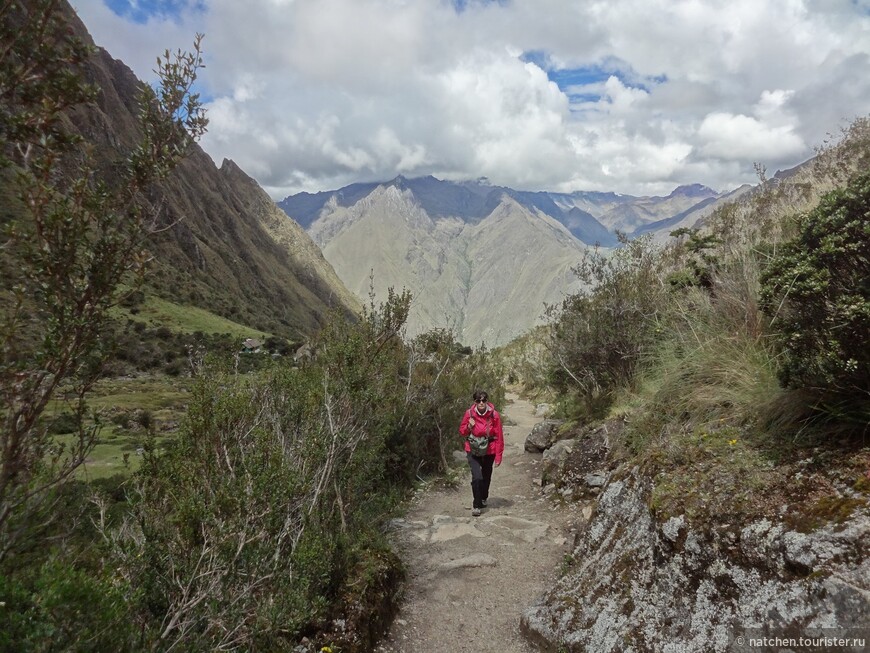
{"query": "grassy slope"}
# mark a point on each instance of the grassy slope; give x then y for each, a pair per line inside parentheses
(156, 399)
(156, 312)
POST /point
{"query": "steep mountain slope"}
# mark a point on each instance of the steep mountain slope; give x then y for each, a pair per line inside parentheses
(221, 243)
(487, 279)
(521, 261)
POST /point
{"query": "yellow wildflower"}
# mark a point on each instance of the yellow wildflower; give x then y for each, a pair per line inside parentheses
(732, 442)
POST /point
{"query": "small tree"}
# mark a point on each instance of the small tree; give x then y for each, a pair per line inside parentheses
(817, 291)
(70, 240)
(599, 335)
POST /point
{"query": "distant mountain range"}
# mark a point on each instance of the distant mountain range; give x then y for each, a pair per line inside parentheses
(481, 259)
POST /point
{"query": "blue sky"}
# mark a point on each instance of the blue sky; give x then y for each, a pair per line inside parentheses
(583, 84)
(631, 96)
(576, 83)
(140, 11)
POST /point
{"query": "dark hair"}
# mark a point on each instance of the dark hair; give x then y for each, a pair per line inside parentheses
(480, 395)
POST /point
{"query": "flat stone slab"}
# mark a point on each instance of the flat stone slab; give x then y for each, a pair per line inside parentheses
(525, 529)
(474, 560)
(445, 528)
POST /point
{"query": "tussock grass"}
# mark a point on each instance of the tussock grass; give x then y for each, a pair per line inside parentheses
(722, 378)
(711, 361)
(698, 433)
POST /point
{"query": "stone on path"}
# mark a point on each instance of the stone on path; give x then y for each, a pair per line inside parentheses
(474, 560)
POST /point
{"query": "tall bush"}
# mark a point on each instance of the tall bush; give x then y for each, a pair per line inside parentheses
(817, 292)
(600, 335)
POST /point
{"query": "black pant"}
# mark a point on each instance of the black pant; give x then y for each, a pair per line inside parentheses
(481, 475)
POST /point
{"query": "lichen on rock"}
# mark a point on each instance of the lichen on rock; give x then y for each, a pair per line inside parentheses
(642, 585)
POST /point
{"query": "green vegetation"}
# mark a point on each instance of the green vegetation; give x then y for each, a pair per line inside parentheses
(280, 482)
(263, 515)
(155, 312)
(817, 290)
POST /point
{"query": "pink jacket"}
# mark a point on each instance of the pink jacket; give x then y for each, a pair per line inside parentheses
(487, 424)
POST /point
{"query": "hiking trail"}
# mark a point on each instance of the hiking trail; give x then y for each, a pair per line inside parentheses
(471, 578)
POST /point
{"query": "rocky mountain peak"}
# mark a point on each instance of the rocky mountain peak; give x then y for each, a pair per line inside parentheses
(229, 166)
(693, 190)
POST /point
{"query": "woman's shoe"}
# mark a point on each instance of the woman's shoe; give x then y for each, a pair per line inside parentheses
(475, 512)
(483, 503)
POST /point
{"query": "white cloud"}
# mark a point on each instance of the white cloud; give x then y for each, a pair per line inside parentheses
(315, 94)
(496, 114)
(740, 138)
(772, 104)
(623, 99)
(388, 147)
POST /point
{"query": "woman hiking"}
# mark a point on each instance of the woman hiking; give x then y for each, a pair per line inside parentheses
(484, 446)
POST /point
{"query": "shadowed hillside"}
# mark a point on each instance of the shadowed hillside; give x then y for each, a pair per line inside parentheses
(221, 244)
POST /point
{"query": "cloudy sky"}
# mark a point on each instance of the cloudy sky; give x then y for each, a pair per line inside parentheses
(632, 96)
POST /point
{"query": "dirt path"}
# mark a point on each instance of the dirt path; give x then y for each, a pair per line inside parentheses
(470, 578)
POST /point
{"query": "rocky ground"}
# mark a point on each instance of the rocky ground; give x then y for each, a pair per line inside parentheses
(471, 578)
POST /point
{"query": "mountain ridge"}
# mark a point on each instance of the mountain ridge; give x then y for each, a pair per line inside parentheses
(472, 200)
(426, 235)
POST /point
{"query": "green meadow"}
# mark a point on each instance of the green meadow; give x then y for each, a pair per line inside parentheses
(155, 312)
(127, 413)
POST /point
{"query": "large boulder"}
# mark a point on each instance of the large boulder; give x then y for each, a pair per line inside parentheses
(579, 467)
(543, 435)
(553, 460)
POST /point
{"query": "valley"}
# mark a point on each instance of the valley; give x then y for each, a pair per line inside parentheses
(485, 261)
(230, 420)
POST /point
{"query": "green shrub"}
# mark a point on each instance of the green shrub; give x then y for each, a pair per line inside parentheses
(175, 367)
(817, 292)
(600, 335)
(63, 608)
(700, 263)
(66, 422)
